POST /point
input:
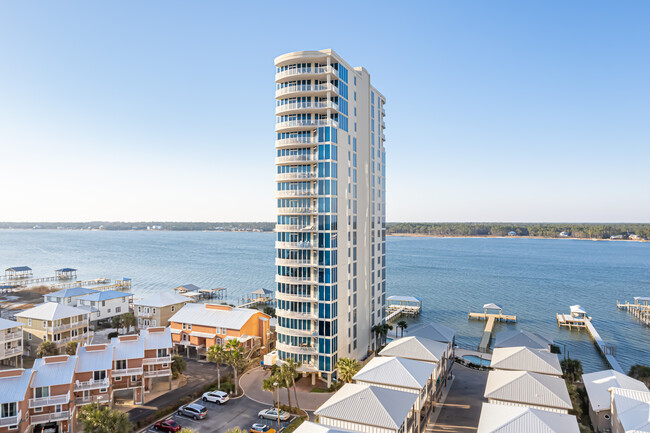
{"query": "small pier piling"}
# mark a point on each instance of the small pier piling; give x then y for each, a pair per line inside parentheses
(491, 314)
(639, 309)
(402, 305)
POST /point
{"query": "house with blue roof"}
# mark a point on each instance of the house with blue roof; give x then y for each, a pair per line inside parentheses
(68, 296)
(105, 305)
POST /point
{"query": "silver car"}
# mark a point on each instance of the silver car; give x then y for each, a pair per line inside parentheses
(273, 414)
(193, 410)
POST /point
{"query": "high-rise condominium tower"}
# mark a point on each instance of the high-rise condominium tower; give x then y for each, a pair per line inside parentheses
(331, 224)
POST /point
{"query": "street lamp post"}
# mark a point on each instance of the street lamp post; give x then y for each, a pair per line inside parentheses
(277, 389)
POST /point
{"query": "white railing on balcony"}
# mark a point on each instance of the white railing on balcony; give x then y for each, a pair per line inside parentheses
(297, 175)
(295, 140)
(295, 262)
(99, 398)
(295, 228)
(302, 123)
(295, 332)
(11, 336)
(49, 401)
(143, 314)
(92, 384)
(295, 280)
(158, 360)
(79, 337)
(295, 193)
(292, 89)
(319, 105)
(301, 245)
(128, 371)
(304, 71)
(11, 420)
(307, 350)
(49, 417)
(297, 210)
(296, 315)
(11, 352)
(158, 373)
(295, 298)
(295, 158)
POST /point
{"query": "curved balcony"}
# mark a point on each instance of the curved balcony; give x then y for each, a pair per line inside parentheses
(296, 175)
(305, 106)
(295, 228)
(296, 280)
(304, 350)
(294, 298)
(296, 315)
(295, 245)
(296, 193)
(311, 71)
(302, 123)
(296, 262)
(301, 210)
(295, 332)
(294, 142)
(306, 89)
(289, 159)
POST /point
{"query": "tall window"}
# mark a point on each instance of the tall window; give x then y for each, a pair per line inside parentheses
(8, 409)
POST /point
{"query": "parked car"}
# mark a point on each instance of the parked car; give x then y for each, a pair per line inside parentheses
(218, 397)
(168, 425)
(273, 414)
(261, 428)
(193, 410)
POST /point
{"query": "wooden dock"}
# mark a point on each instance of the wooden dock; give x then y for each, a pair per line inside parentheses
(491, 318)
(251, 302)
(579, 319)
(398, 305)
(639, 309)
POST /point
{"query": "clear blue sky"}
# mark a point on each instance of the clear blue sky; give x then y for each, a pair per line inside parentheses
(163, 110)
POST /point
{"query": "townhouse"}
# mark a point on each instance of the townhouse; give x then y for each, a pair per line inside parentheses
(14, 395)
(128, 356)
(107, 304)
(93, 374)
(522, 388)
(156, 310)
(497, 418)
(526, 359)
(157, 362)
(197, 327)
(630, 411)
(53, 322)
(51, 395)
(11, 343)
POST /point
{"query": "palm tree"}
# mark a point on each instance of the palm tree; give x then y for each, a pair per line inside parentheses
(102, 419)
(234, 358)
(377, 331)
(127, 320)
(267, 385)
(71, 348)
(284, 376)
(572, 369)
(347, 368)
(402, 325)
(46, 348)
(385, 328)
(217, 355)
(178, 366)
(292, 370)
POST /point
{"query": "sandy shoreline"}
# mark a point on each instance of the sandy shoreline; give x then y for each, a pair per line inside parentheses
(424, 235)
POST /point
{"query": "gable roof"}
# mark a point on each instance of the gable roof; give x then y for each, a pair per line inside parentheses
(528, 388)
(162, 299)
(19, 269)
(51, 311)
(500, 418)
(8, 324)
(522, 338)
(154, 339)
(404, 298)
(190, 287)
(526, 359)
(370, 405)
(264, 292)
(632, 409)
(127, 349)
(416, 348)
(598, 384)
(105, 296)
(72, 292)
(66, 270)
(53, 373)
(94, 360)
(198, 314)
(14, 388)
(400, 372)
(435, 331)
(491, 306)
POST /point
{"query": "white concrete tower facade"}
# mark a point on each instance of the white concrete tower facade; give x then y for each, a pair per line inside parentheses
(331, 207)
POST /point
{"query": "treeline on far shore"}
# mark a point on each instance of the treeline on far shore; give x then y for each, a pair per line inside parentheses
(143, 225)
(546, 230)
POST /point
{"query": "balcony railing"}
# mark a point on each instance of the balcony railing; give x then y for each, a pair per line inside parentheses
(99, 398)
(92, 384)
(295, 140)
(158, 373)
(158, 360)
(295, 228)
(11, 420)
(306, 106)
(295, 158)
(79, 337)
(66, 326)
(297, 210)
(128, 372)
(296, 315)
(296, 193)
(295, 332)
(295, 262)
(49, 417)
(297, 245)
(295, 280)
(11, 336)
(11, 352)
(304, 71)
(49, 401)
(306, 350)
(295, 298)
(303, 123)
(297, 175)
(143, 314)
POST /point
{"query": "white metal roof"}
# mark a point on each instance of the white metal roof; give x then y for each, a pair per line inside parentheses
(198, 314)
(577, 309)
(8, 324)
(370, 405)
(312, 427)
(191, 295)
(14, 388)
(499, 418)
(71, 292)
(404, 298)
(632, 409)
(400, 372)
(435, 331)
(94, 360)
(52, 311)
(162, 299)
(521, 338)
(598, 384)
(156, 339)
(417, 348)
(528, 388)
(53, 373)
(127, 349)
(491, 306)
(526, 359)
(105, 296)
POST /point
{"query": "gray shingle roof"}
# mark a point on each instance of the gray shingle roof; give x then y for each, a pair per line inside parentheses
(14, 388)
(198, 314)
(53, 373)
(51, 311)
(370, 405)
(400, 372)
(162, 299)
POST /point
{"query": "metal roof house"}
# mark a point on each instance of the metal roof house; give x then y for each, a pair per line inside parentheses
(14, 394)
(106, 304)
(497, 418)
(630, 411)
(11, 348)
(521, 388)
(436, 332)
(93, 374)
(68, 296)
(597, 386)
(52, 392)
(312, 427)
(156, 310)
(526, 359)
(369, 409)
(522, 338)
(66, 273)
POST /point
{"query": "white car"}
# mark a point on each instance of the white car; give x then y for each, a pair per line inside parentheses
(218, 397)
(273, 414)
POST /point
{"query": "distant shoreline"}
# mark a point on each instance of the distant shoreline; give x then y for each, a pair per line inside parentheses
(425, 235)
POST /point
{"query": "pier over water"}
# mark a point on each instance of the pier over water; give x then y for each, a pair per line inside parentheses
(491, 313)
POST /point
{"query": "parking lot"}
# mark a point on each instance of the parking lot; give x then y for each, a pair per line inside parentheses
(241, 412)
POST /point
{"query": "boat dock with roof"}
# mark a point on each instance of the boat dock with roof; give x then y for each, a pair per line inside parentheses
(398, 305)
(639, 309)
(491, 313)
(579, 319)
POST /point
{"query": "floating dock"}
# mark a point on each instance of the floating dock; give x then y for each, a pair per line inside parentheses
(639, 309)
(402, 305)
(579, 319)
(491, 314)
